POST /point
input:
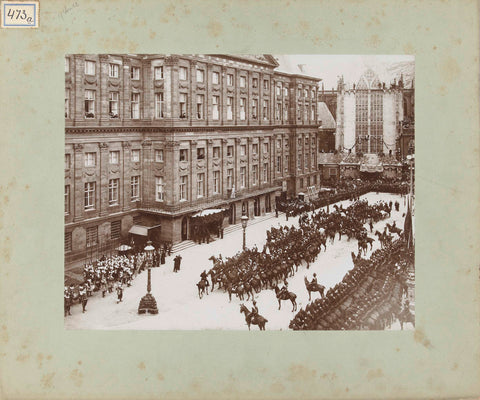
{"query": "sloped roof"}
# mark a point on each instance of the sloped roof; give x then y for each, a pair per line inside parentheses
(324, 115)
(287, 66)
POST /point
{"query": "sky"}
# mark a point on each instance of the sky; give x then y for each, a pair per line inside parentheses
(330, 67)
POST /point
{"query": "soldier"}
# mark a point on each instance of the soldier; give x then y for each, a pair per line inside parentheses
(254, 313)
(82, 292)
(66, 301)
(314, 280)
(103, 285)
(119, 293)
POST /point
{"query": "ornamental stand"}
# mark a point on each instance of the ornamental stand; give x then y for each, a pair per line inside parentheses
(148, 304)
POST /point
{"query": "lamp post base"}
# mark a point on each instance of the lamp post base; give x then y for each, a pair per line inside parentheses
(148, 304)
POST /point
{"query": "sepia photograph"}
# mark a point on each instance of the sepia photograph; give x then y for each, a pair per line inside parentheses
(239, 192)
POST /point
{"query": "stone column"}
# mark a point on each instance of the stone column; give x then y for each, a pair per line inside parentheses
(102, 194)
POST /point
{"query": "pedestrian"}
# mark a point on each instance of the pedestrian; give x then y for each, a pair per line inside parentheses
(179, 257)
(67, 301)
(162, 257)
(119, 293)
(175, 264)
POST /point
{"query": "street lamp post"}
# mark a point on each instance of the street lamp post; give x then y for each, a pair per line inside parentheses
(244, 219)
(148, 302)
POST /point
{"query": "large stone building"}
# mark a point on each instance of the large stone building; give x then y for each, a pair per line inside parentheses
(374, 127)
(153, 139)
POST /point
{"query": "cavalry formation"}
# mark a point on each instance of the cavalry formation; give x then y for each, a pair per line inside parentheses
(287, 248)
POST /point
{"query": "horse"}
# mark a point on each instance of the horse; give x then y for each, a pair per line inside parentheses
(394, 229)
(238, 290)
(362, 245)
(285, 296)
(202, 288)
(251, 319)
(313, 288)
(405, 316)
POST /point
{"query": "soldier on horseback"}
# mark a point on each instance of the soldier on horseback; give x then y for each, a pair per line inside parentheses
(254, 314)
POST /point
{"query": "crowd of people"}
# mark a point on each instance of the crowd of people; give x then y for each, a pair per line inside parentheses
(287, 248)
(112, 274)
(370, 296)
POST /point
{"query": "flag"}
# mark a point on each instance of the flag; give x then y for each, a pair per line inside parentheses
(407, 226)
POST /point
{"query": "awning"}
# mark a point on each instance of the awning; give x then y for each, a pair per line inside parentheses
(208, 212)
(139, 230)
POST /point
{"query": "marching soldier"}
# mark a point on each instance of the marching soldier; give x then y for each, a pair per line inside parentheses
(82, 292)
(66, 301)
(119, 293)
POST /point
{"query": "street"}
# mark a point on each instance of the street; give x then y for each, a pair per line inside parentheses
(177, 296)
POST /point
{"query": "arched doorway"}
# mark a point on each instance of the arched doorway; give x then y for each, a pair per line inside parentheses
(184, 228)
(231, 216)
(245, 208)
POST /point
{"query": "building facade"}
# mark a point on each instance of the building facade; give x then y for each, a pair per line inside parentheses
(153, 139)
(374, 127)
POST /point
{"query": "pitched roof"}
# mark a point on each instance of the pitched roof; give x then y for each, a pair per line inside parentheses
(287, 66)
(324, 115)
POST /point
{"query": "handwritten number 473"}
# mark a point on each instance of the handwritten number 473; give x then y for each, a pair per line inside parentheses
(20, 14)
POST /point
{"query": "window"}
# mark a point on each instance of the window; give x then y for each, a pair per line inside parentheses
(183, 187)
(113, 70)
(243, 177)
(265, 172)
(67, 161)
(200, 153)
(255, 148)
(67, 199)
(135, 73)
(312, 94)
(200, 102)
(113, 191)
(200, 75)
(159, 186)
(229, 108)
(229, 178)
(89, 195)
(279, 164)
(265, 147)
(299, 111)
(312, 159)
(243, 81)
(299, 92)
(255, 82)
(136, 155)
(68, 242)
(159, 155)
(67, 103)
(242, 108)
(265, 109)
(279, 144)
(183, 105)
(92, 236)
(89, 67)
(135, 187)
(182, 73)
(90, 159)
(278, 90)
(287, 162)
(158, 72)
(114, 157)
(285, 113)
(115, 230)
(216, 152)
(285, 91)
(113, 105)
(254, 174)
(201, 184)
(305, 93)
(135, 105)
(89, 103)
(314, 179)
(215, 78)
(216, 181)
(278, 111)
(67, 65)
(159, 105)
(301, 182)
(254, 108)
(306, 161)
(229, 151)
(265, 84)
(183, 155)
(215, 110)
(312, 113)
(243, 149)
(230, 80)
(299, 162)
